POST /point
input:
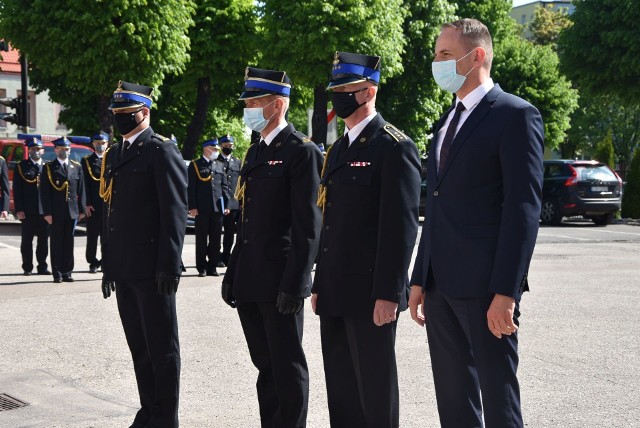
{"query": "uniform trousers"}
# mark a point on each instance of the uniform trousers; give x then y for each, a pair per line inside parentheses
(275, 346)
(229, 222)
(360, 371)
(94, 230)
(151, 329)
(208, 231)
(61, 242)
(467, 359)
(34, 225)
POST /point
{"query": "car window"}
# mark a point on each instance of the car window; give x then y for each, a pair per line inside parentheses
(77, 153)
(553, 171)
(18, 153)
(49, 154)
(594, 173)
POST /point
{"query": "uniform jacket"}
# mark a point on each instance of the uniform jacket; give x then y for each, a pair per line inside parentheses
(145, 221)
(370, 221)
(483, 208)
(67, 202)
(205, 195)
(4, 185)
(26, 195)
(279, 225)
(91, 171)
(232, 172)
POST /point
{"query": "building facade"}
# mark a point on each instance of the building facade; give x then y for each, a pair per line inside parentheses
(524, 14)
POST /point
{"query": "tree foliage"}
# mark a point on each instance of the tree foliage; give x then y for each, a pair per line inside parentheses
(547, 25)
(600, 52)
(412, 101)
(531, 72)
(301, 37)
(79, 50)
(492, 13)
(223, 43)
(604, 151)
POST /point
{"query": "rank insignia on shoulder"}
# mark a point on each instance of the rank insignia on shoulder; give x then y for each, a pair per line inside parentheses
(274, 162)
(359, 163)
(307, 140)
(395, 132)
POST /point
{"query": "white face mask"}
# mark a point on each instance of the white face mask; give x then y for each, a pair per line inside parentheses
(254, 118)
(446, 76)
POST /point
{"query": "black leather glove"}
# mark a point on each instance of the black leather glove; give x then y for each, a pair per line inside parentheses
(107, 288)
(167, 283)
(288, 304)
(227, 296)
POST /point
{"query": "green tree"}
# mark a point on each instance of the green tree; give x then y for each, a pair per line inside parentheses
(412, 101)
(547, 25)
(595, 118)
(604, 151)
(222, 45)
(531, 72)
(78, 50)
(492, 13)
(631, 196)
(600, 51)
(301, 37)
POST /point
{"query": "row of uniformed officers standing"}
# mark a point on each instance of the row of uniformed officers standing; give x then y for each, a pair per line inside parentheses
(354, 214)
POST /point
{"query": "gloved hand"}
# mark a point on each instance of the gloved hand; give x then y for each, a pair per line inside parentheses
(107, 288)
(227, 296)
(167, 283)
(288, 304)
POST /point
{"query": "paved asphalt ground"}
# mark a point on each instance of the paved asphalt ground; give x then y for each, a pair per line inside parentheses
(62, 348)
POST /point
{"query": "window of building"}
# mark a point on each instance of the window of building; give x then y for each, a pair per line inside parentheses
(523, 19)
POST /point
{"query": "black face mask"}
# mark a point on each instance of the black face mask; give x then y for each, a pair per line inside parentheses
(126, 122)
(344, 103)
(227, 150)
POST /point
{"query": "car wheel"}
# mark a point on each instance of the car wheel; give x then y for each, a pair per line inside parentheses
(602, 220)
(550, 213)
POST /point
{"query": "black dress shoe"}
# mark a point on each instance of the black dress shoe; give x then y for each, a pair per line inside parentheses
(67, 279)
(27, 273)
(221, 264)
(213, 273)
(57, 280)
(202, 273)
(44, 272)
(93, 269)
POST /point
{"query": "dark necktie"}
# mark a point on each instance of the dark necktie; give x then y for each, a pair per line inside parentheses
(448, 136)
(64, 168)
(125, 146)
(261, 147)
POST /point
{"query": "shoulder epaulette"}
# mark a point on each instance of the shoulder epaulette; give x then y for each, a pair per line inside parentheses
(163, 138)
(395, 132)
(301, 137)
(74, 162)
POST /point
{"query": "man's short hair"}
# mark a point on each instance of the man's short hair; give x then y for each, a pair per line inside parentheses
(476, 34)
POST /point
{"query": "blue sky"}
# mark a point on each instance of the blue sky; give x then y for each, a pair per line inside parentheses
(521, 2)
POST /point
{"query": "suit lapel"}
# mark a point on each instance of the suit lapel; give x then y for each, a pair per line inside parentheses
(268, 153)
(134, 150)
(477, 115)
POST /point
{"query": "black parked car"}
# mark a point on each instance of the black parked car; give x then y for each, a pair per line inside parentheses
(573, 187)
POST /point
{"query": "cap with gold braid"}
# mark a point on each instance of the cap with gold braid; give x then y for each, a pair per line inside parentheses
(260, 83)
(351, 68)
(129, 95)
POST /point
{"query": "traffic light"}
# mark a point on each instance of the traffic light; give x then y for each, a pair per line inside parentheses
(15, 118)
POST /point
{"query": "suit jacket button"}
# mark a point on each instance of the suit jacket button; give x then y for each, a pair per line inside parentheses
(112, 229)
(245, 241)
(328, 204)
(435, 193)
(330, 181)
(325, 249)
(326, 227)
(116, 174)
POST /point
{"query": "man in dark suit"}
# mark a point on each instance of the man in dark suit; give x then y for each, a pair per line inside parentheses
(484, 177)
(144, 187)
(63, 204)
(269, 273)
(208, 196)
(369, 196)
(91, 166)
(4, 189)
(231, 166)
(26, 197)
